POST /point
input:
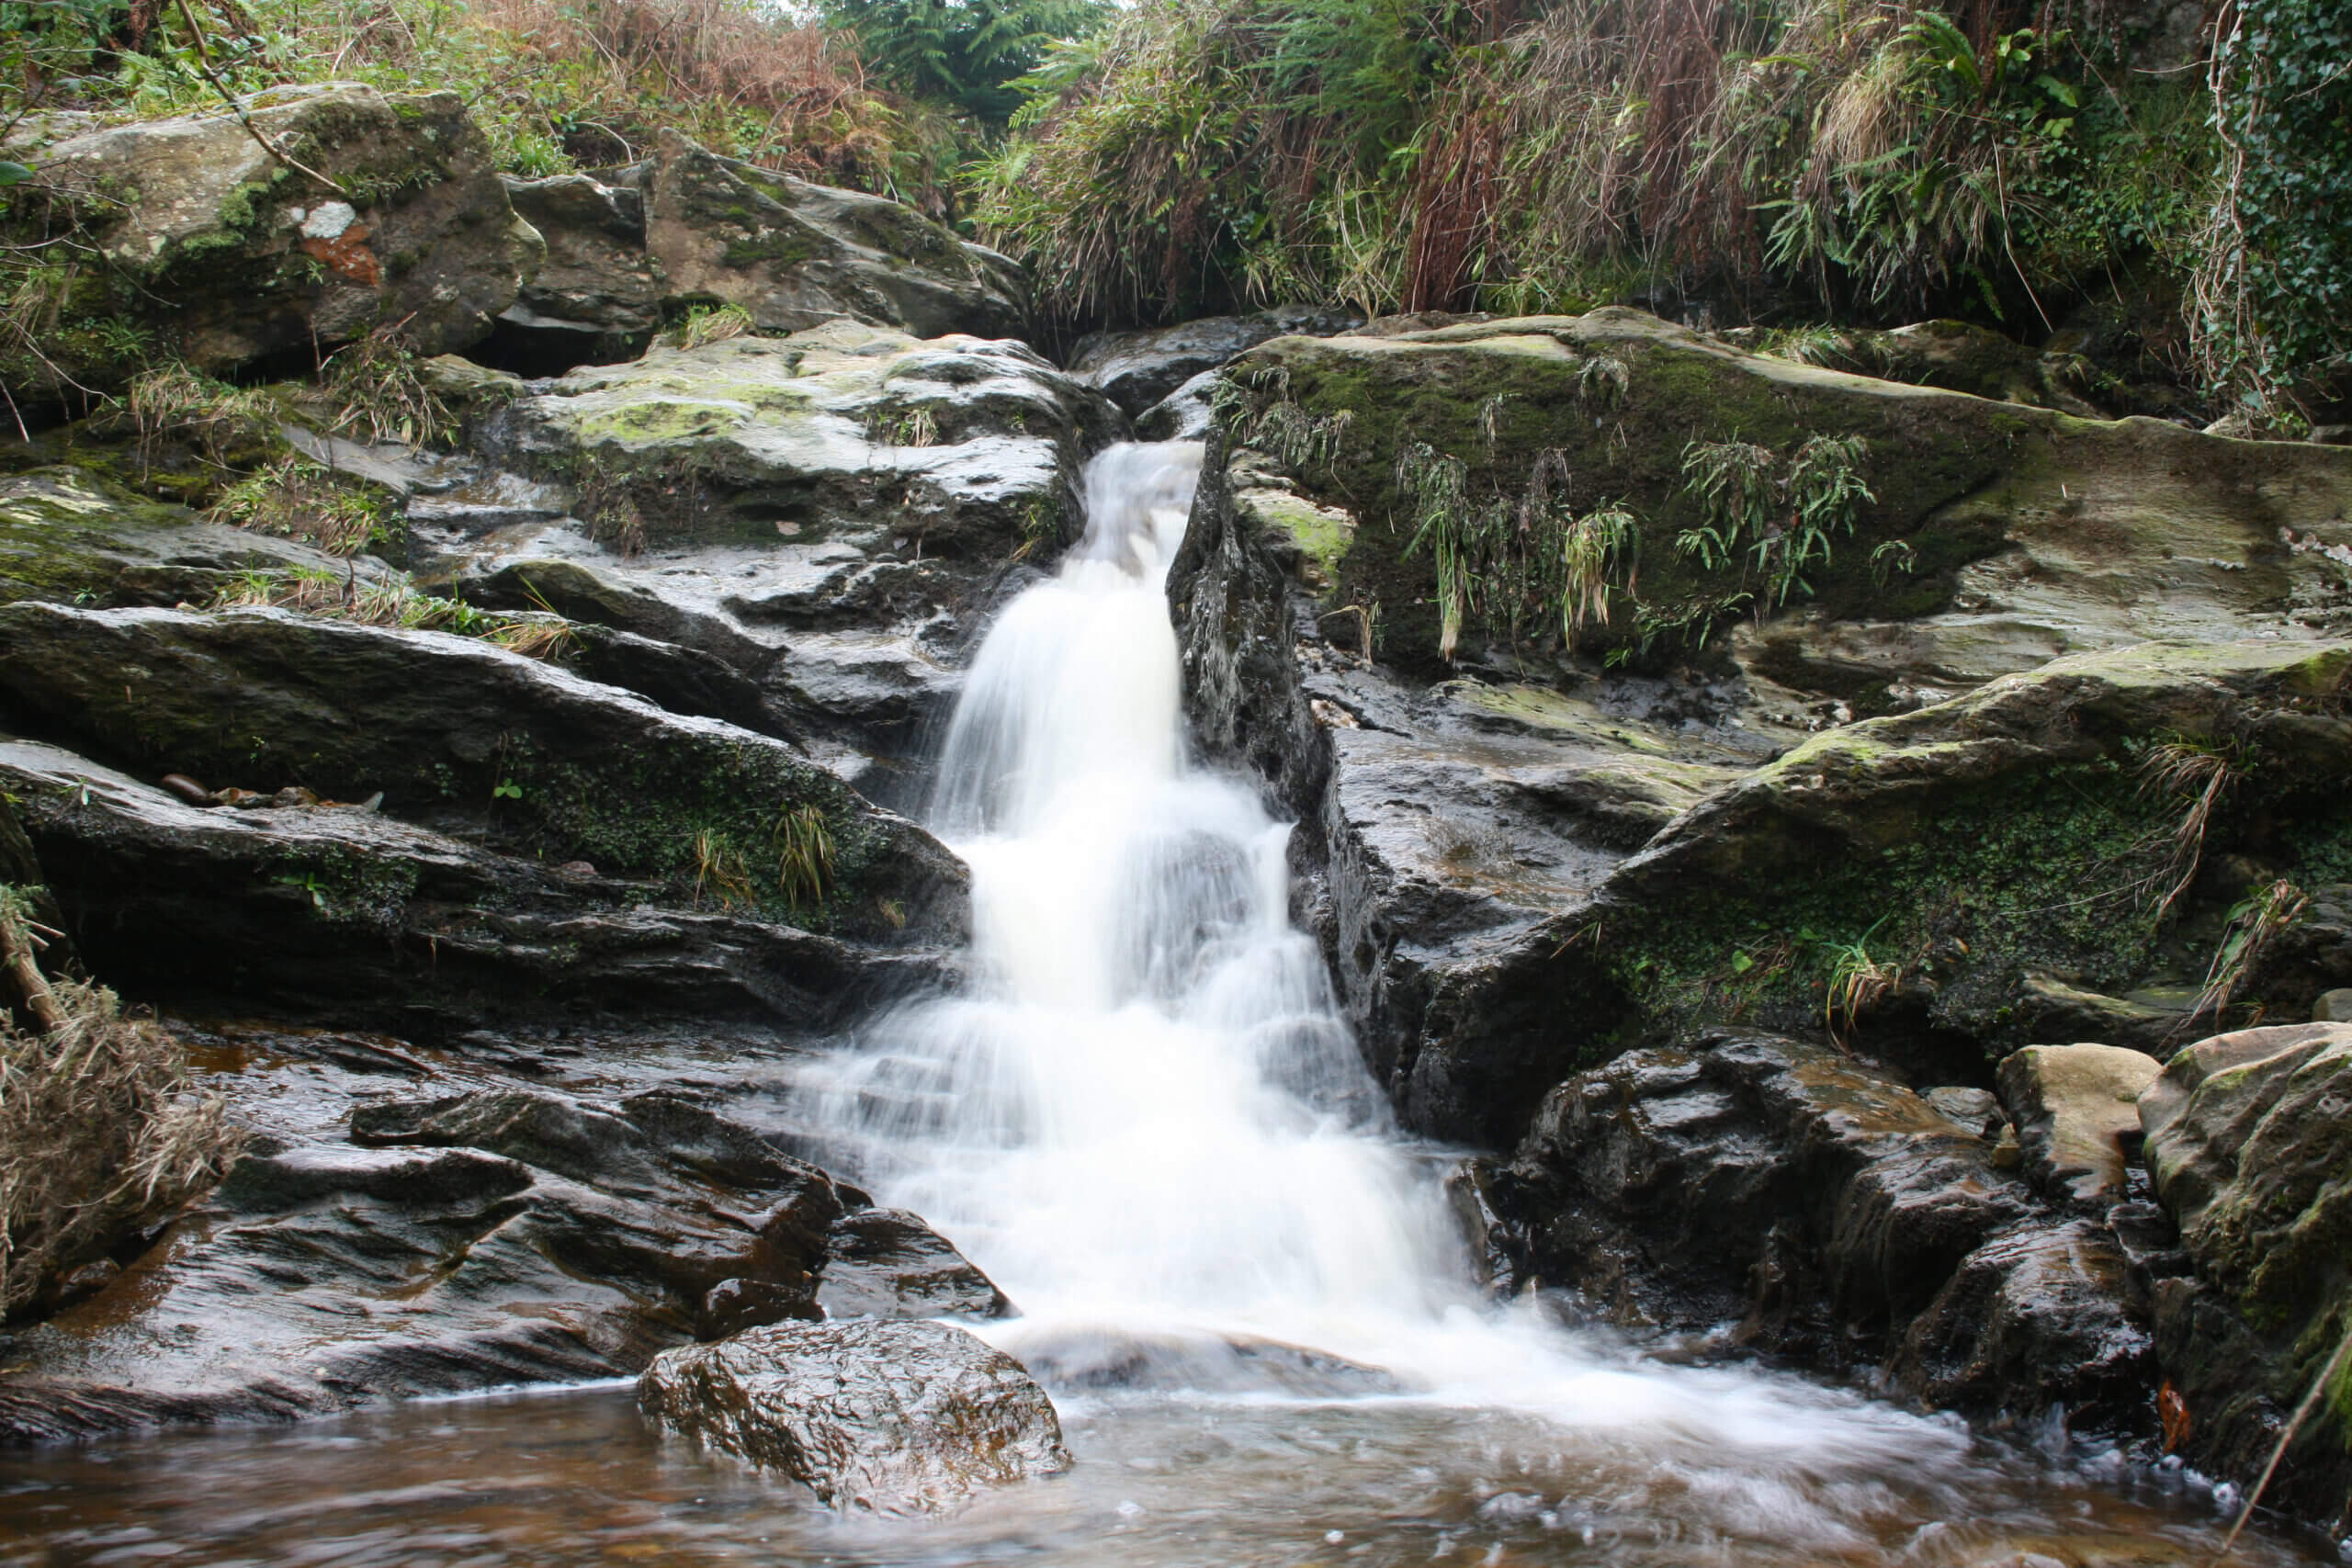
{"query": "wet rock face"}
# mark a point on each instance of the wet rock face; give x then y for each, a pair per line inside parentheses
(1474, 827)
(415, 1220)
(1440, 919)
(795, 254)
(457, 734)
(438, 834)
(888, 1263)
(2249, 1137)
(872, 1416)
(342, 916)
(1828, 1210)
(232, 257)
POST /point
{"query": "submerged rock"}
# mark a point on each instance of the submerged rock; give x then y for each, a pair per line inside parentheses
(230, 256)
(873, 1416)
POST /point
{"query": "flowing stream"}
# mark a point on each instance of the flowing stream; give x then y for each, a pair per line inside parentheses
(1146, 1120)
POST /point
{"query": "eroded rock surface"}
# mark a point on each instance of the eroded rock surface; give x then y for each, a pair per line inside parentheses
(598, 294)
(827, 514)
(872, 1416)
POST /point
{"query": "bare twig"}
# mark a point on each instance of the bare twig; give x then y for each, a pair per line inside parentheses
(204, 64)
(17, 958)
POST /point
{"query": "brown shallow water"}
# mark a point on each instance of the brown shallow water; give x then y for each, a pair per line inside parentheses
(575, 1477)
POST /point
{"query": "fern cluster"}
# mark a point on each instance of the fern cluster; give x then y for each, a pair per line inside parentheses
(1521, 564)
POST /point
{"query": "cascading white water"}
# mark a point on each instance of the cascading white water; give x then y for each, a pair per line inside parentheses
(1148, 1117)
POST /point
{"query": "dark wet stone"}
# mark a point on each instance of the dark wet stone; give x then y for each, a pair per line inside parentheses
(2249, 1138)
(873, 1416)
(1136, 369)
(889, 1263)
(490, 1233)
(2041, 1318)
(354, 918)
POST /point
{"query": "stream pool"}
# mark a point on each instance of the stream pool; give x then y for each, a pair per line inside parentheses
(574, 1476)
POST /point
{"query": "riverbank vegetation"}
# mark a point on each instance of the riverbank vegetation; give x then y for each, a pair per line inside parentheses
(2066, 166)
(2109, 177)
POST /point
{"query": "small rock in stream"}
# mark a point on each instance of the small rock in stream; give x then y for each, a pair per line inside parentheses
(874, 1416)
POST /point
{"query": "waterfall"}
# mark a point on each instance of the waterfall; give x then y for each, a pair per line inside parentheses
(1146, 1119)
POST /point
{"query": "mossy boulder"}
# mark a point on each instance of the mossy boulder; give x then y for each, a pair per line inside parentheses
(795, 254)
(75, 536)
(466, 737)
(2094, 534)
(194, 241)
(1964, 850)
(2249, 1138)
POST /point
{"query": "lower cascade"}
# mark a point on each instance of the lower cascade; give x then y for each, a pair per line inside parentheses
(1148, 1121)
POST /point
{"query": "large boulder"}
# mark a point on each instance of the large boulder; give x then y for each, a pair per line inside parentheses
(1948, 848)
(1940, 881)
(2249, 1138)
(795, 254)
(1996, 535)
(223, 254)
(414, 1221)
(1476, 837)
(873, 1416)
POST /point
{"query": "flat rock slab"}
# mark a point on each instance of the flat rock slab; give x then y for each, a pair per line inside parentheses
(873, 1416)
